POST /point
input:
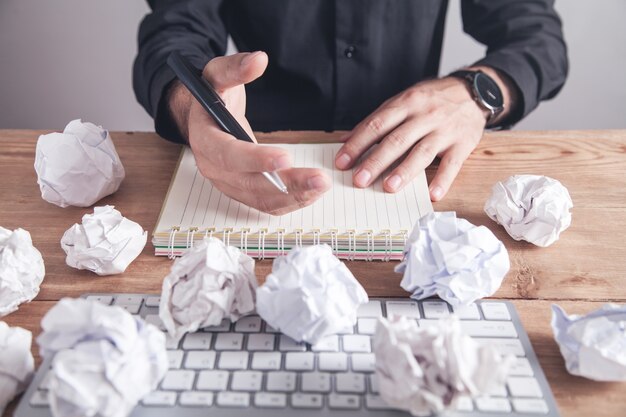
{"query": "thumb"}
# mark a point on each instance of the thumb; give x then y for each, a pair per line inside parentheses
(229, 71)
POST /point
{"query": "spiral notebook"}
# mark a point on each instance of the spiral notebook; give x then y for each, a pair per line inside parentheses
(366, 224)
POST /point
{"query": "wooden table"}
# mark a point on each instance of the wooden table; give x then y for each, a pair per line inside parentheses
(583, 270)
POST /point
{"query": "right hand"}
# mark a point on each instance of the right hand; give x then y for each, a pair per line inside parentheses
(235, 167)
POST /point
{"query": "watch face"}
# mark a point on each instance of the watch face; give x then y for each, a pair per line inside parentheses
(488, 91)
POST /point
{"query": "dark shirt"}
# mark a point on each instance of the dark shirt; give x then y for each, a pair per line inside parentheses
(331, 63)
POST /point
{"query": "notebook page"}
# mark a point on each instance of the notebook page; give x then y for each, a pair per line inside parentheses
(194, 202)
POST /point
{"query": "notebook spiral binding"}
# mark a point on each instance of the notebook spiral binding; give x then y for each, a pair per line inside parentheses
(351, 251)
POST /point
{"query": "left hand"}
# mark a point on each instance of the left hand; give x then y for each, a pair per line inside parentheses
(432, 118)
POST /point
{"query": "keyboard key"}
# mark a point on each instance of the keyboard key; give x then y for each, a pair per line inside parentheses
(224, 326)
(493, 405)
(155, 320)
(306, 401)
(495, 311)
(127, 299)
(159, 399)
(373, 384)
(350, 382)
(288, 344)
(356, 343)
(347, 330)
(233, 360)
(497, 391)
(233, 399)
(39, 399)
(332, 361)
(366, 326)
(522, 386)
(530, 406)
(266, 361)
(435, 309)
(200, 360)
(248, 324)
(178, 380)
(370, 309)
(170, 343)
(196, 399)
(315, 382)
(489, 328)
(281, 381)
(363, 362)
(521, 367)
(299, 361)
(197, 341)
(504, 346)
(344, 402)
(153, 301)
(376, 402)
(327, 344)
(464, 403)
(44, 383)
(175, 358)
(270, 400)
(229, 341)
(408, 309)
(469, 312)
(104, 299)
(261, 341)
(246, 381)
(212, 380)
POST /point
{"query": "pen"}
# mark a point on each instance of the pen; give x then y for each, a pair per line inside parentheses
(204, 92)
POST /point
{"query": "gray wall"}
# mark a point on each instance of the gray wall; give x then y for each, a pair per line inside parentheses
(65, 59)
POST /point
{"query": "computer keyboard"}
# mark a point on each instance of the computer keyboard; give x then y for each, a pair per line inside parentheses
(247, 368)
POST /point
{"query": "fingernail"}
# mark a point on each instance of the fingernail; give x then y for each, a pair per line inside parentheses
(437, 192)
(315, 183)
(394, 181)
(362, 178)
(282, 162)
(343, 161)
(248, 58)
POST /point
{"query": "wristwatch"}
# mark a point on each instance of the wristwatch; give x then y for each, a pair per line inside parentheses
(485, 91)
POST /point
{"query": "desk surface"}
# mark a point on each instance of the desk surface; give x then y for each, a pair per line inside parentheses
(581, 271)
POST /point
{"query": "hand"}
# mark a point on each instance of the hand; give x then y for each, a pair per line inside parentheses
(233, 166)
(433, 118)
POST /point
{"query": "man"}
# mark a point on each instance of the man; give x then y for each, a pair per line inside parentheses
(364, 65)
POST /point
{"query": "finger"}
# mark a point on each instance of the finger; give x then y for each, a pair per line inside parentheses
(422, 155)
(449, 168)
(368, 132)
(229, 71)
(305, 186)
(227, 154)
(390, 149)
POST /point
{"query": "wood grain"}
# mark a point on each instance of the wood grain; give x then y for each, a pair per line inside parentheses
(582, 270)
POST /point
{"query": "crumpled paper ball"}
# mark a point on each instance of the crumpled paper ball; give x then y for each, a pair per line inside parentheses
(105, 243)
(593, 345)
(77, 167)
(210, 282)
(16, 362)
(310, 294)
(453, 259)
(425, 370)
(21, 269)
(105, 359)
(533, 208)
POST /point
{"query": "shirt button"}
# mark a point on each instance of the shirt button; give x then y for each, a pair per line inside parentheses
(350, 51)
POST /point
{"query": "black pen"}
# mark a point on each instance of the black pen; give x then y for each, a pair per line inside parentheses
(204, 92)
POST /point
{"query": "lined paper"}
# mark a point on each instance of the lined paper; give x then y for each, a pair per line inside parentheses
(193, 202)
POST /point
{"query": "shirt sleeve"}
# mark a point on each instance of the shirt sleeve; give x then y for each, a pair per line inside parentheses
(524, 40)
(192, 27)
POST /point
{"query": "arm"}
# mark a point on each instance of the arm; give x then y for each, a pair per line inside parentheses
(193, 27)
(527, 59)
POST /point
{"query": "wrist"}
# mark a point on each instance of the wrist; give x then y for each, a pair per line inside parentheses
(179, 103)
